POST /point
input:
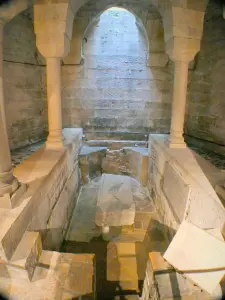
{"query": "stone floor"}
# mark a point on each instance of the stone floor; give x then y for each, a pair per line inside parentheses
(23, 153)
(216, 159)
(121, 260)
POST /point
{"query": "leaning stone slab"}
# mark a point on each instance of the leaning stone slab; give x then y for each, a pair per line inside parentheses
(202, 259)
(115, 205)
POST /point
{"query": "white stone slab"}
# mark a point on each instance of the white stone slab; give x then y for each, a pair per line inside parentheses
(115, 205)
(194, 252)
(176, 190)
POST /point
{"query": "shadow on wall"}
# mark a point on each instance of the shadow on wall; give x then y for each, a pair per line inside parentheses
(5, 2)
(205, 105)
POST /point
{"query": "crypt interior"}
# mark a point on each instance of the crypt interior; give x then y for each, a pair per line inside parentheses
(112, 149)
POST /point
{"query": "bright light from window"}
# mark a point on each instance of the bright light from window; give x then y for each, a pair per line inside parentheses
(116, 8)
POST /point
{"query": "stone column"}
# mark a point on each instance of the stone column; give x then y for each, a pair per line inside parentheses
(8, 183)
(176, 139)
(53, 23)
(181, 51)
(55, 138)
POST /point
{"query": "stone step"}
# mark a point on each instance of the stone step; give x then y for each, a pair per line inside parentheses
(26, 254)
(122, 265)
(88, 150)
(117, 144)
(75, 273)
(56, 276)
(96, 134)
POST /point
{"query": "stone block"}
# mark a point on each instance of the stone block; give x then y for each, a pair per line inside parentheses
(122, 262)
(26, 255)
(76, 274)
(173, 285)
(126, 249)
(176, 190)
(158, 263)
(115, 206)
(181, 17)
(90, 160)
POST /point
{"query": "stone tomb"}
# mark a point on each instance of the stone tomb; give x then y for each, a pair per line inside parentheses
(115, 205)
(177, 191)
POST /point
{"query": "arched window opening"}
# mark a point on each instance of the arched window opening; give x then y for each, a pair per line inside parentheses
(116, 33)
(115, 94)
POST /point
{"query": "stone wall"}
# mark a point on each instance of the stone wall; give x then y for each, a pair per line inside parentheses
(206, 92)
(180, 187)
(114, 89)
(24, 83)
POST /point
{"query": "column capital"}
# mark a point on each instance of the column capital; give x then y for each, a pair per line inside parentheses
(182, 49)
(53, 23)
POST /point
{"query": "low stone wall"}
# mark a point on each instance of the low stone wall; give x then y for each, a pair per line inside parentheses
(180, 189)
(60, 190)
(54, 176)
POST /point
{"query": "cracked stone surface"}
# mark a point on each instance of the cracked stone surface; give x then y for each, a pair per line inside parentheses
(83, 227)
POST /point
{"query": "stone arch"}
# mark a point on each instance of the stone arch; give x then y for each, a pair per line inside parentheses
(147, 17)
(11, 10)
(138, 17)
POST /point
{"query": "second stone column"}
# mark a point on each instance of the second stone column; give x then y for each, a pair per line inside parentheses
(55, 138)
(181, 51)
(53, 28)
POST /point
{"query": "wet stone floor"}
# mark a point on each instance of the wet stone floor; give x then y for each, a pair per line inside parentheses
(19, 155)
(216, 159)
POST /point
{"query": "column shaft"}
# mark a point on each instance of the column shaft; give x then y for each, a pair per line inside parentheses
(176, 139)
(8, 182)
(55, 138)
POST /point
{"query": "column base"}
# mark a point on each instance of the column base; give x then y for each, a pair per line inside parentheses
(54, 143)
(175, 145)
(176, 140)
(8, 183)
(10, 200)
